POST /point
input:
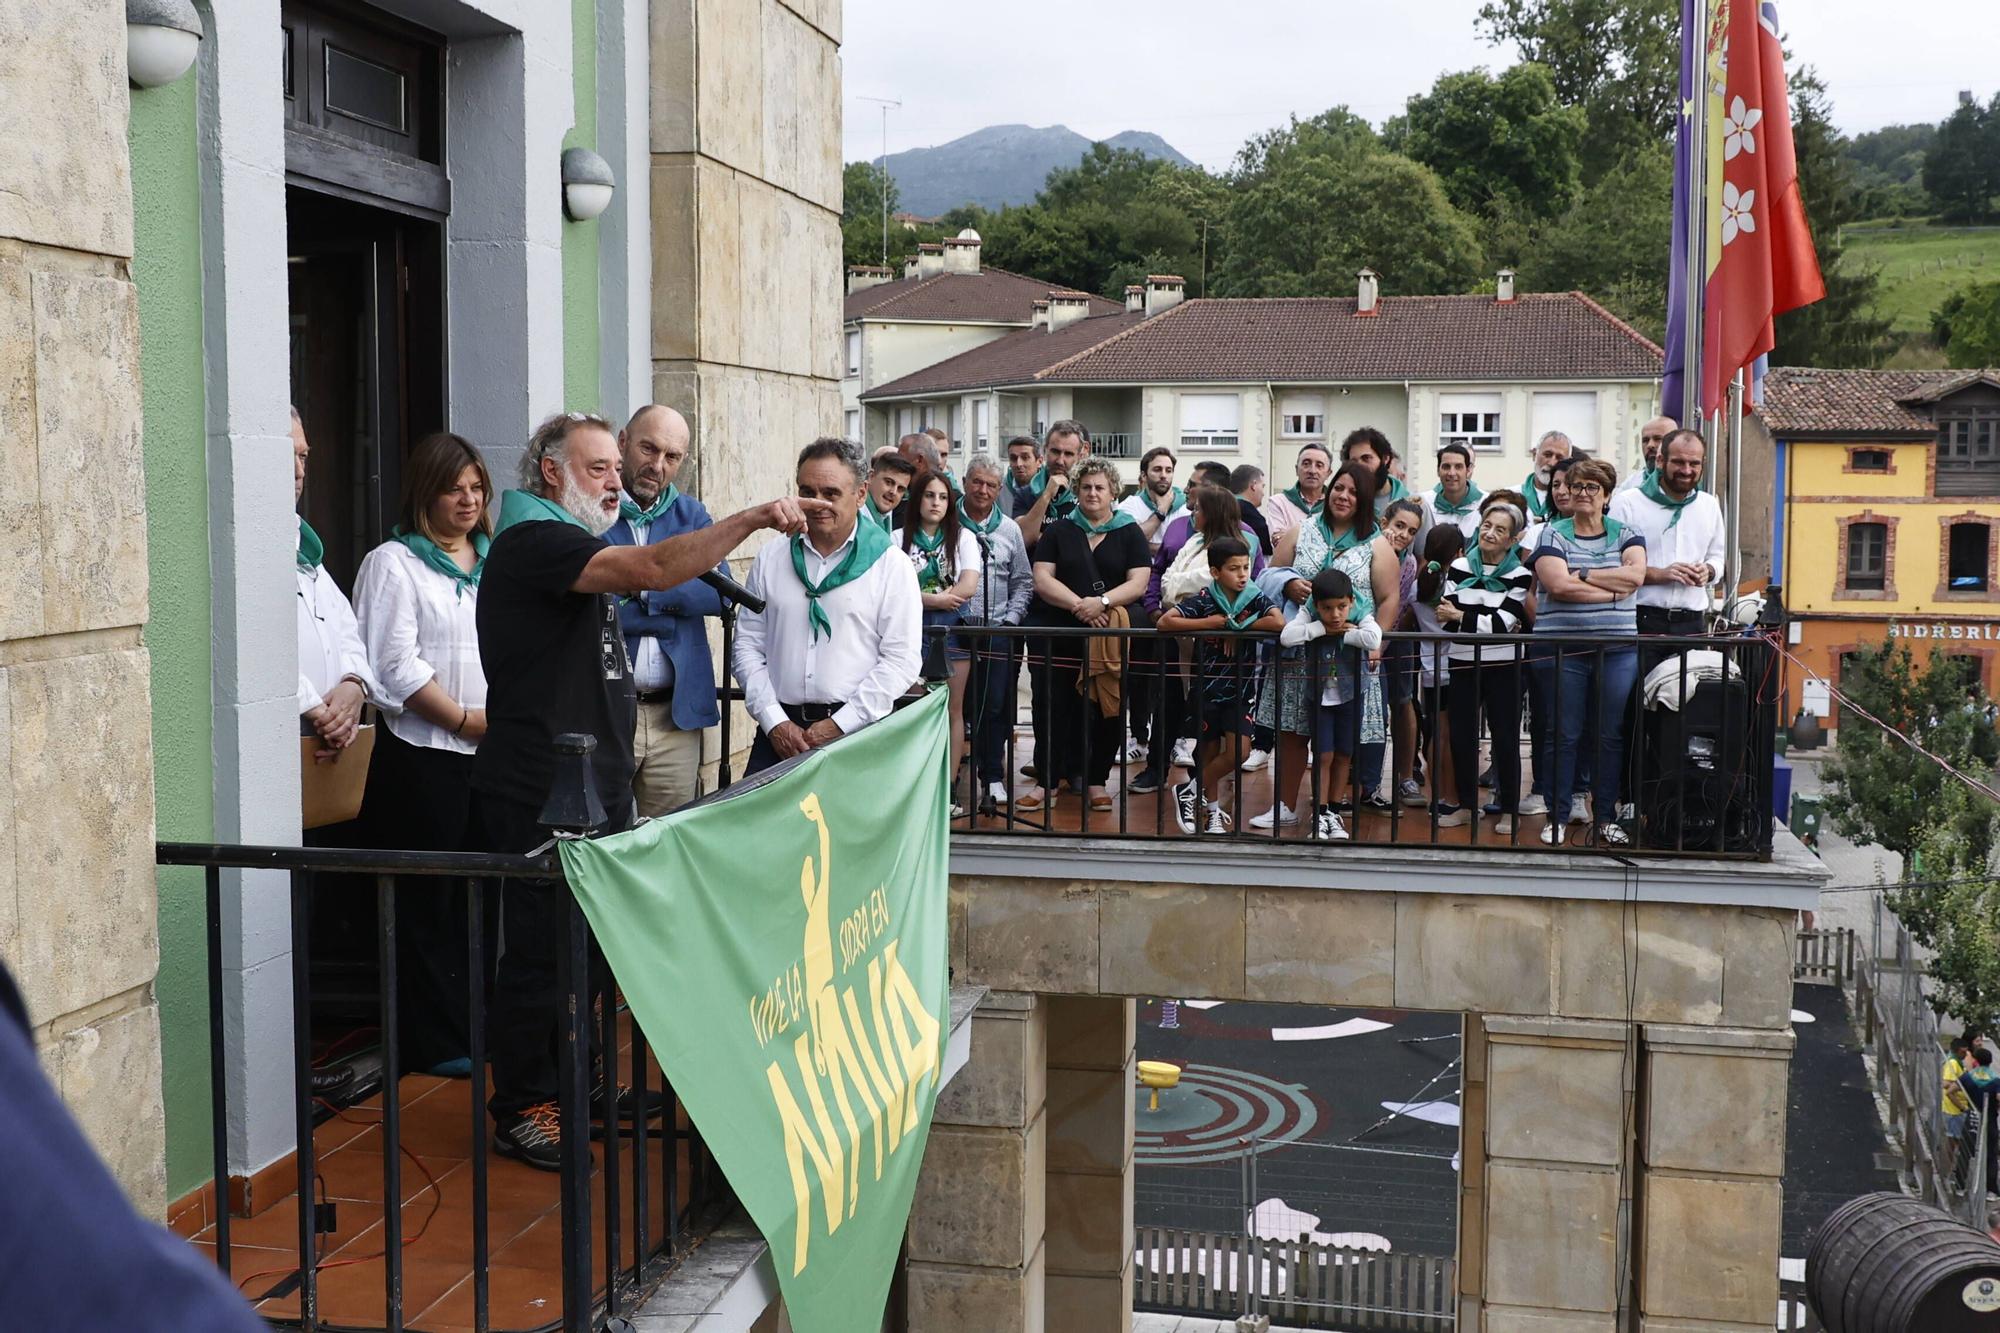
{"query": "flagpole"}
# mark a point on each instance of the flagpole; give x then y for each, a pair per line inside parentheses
(1732, 506)
(1689, 408)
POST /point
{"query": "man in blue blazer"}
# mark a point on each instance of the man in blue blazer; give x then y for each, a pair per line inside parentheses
(666, 634)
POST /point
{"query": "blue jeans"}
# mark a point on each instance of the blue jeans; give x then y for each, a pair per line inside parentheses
(1583, 689)
(990, 703)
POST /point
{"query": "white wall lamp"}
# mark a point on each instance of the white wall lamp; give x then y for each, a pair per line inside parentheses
(162, 38)
(587, 184)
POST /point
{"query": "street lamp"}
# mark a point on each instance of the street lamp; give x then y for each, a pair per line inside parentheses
(587, 184)
(162, 38)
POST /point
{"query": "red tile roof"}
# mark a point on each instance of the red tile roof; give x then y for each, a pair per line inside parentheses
(1540, 336)
(990, 296)
(1799, 401)
(1018, 358)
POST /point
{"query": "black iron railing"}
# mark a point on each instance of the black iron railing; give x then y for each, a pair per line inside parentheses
(1696, 770)
(629, 1178)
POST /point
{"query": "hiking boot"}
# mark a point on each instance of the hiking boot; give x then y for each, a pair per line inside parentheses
(534, 1136)
(627, 1105)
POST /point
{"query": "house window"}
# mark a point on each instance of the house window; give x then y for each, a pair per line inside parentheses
(906, 421)
(1041, 416)
(1574, 414)
(1211, 422)
(854, 352)
(1967, 557)
(1968, 453)
(1302, 416)
(1867, 557)
(982, 422)
(1869, 460)
(1470, 419)
(853, 426)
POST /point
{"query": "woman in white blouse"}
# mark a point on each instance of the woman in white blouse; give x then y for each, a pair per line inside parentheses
(416, 599)
(945, 554)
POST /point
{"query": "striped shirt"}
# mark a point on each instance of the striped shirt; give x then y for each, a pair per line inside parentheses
(1485, 610)
(1604, 551)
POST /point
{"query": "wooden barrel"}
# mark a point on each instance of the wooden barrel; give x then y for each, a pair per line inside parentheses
(1884, 1263)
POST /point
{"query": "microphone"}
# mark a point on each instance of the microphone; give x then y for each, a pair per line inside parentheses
(732, 591)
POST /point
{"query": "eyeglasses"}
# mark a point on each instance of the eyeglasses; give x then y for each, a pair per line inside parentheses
(1585, 488)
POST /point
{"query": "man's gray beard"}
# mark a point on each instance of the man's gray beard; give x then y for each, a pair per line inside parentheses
(586, 509)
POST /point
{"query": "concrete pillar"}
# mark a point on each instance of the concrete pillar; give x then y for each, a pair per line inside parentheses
(975, 1243)
(1091, 1086)
(1555, 1110)
(1472, 1172)
(1710, 1201)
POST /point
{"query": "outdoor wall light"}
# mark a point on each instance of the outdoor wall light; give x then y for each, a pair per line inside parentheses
(161, 39)
(587, 184)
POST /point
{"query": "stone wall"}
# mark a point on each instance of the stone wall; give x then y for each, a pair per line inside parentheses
(77, 897)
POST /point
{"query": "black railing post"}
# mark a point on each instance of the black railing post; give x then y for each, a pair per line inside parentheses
(392, 1111)
(302, 1072)
(218, 1071)
(574, 809)
(475, 952)
(726, 694)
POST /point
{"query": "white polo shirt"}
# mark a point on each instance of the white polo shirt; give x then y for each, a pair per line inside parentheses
(1696, 539)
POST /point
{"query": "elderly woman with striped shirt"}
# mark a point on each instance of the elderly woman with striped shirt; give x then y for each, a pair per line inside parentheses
(1486, 593)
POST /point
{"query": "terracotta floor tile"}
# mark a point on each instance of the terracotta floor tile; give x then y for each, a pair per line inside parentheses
(447, 1235)
(247, 1261)
(352, 1294)
(353, 1173)
(277, 1227)
(516, 1298)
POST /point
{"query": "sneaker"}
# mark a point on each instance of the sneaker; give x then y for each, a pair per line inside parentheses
(1613, 835)
(1492, 807)
(1411, 793)
(1136, 751)
(1555, 835)
(1218, 819)
(534, 1136)
(1327, 826)
(1452, 816)
(1486, 778)
(996, 792)
(1503, 826)
(957, 810)
(1147, 779)
(1285, 815)
(1375, 800)
(1579, 811)
(459, 1067)
(628, 1105)
(1184, 806)
(1184, 752)
(1533, 804)
(1256, 761)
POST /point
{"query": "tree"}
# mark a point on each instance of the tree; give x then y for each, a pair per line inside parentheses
(1495, 141)
(1882, 791)
(1613, 242)
(862, 187)
(1967, 326)
(1320, 208)
(1617, 59)
(1336, 130)
(1962, 165)
(1840, 330)
(1951, 905)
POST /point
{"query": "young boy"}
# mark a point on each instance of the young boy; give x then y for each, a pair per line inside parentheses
(1225, 674)
(1337, 720)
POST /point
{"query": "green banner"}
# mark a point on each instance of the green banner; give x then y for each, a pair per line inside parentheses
(783, 949)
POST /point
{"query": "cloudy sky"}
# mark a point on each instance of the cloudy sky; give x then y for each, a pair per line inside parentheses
(1207, 75)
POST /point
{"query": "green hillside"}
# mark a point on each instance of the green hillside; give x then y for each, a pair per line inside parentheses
(1921, 265)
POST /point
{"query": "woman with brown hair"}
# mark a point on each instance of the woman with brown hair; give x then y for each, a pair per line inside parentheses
(415, 600)
(945, 554)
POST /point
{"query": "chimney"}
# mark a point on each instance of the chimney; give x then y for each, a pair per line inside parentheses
(1368, 293)
(1066, 308)
(909, 267)
(930, 259)
(1163, 292)
(1040, 318)
(1505, 289)
(860, 277)
(1135, 299)
(961, 252)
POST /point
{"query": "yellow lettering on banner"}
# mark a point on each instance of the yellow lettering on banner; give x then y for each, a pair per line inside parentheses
(920, 1058)
(801, 1142)
(901, 1108)
(888, 1089)
(841, 1065)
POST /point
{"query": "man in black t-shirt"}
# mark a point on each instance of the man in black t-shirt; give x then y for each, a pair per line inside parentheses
(554, 658)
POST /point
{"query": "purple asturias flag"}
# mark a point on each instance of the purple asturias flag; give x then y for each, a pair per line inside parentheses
(1694, 49)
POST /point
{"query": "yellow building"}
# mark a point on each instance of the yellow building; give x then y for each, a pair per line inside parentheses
(1887, 501)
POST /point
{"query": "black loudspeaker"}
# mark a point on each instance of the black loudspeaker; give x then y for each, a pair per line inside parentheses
(1699, 792)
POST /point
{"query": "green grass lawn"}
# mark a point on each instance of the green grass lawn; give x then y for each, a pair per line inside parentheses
(1921, 265)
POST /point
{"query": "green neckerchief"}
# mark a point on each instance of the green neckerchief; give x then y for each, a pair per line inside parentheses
(1397, 491)
(1469, 505)
(869, 543)
(311, 549)
(1649, 486)
(1237, 609)
(931, 578)
(1065, 506)
(434, 555)
(876, 516)
(1039, 482)
(1337, 546)
(1175, 502)
(1297, 497)
(1493, 580)
(662, 502)
(1538, 508)
(1119, 519)
(524, 507)
(1614, 531)
(986, 527)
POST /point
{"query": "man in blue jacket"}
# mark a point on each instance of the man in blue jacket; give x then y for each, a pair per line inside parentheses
(666, 634)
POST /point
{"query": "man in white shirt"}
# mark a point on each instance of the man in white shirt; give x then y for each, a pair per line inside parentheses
(1454, 499)
(840, 637)
(1682, 525)
(334, 678)
(1158, 501)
